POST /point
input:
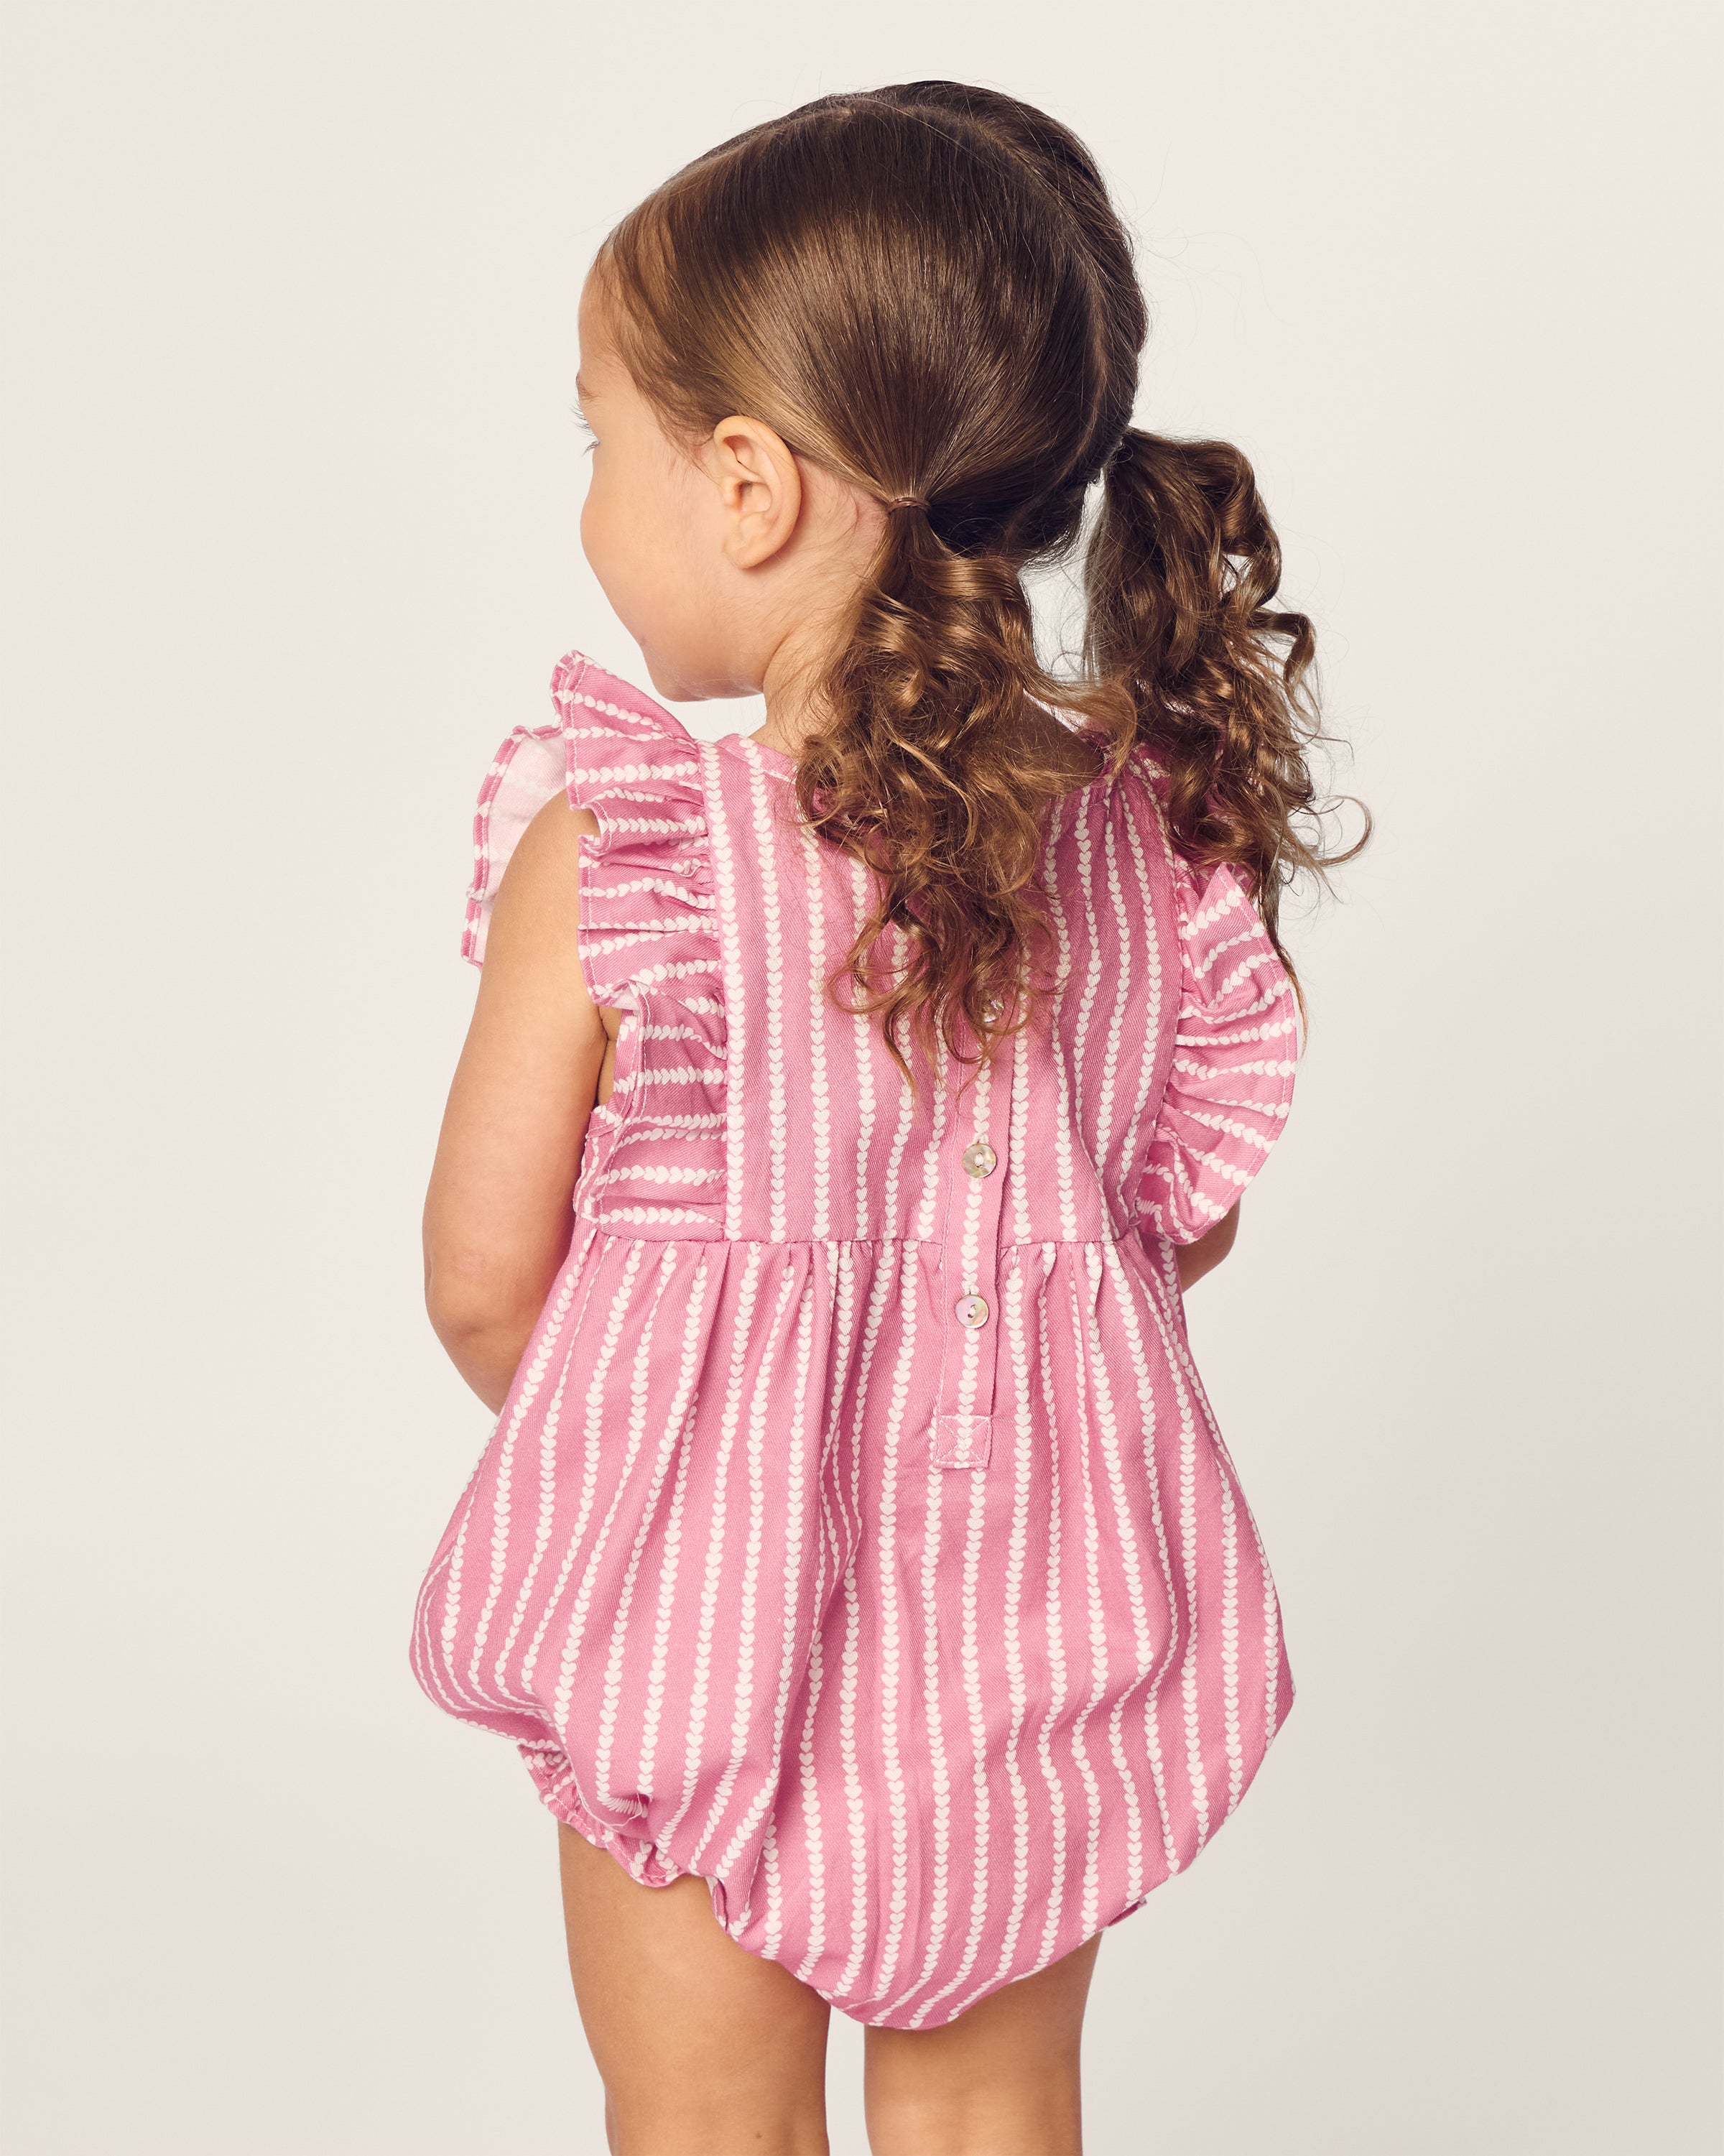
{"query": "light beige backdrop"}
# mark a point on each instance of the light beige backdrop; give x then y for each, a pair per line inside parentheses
(294, 487)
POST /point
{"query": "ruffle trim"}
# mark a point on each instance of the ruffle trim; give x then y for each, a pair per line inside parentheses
(1235, 1054)
(619, 755)
(646, 881)
(648, 936)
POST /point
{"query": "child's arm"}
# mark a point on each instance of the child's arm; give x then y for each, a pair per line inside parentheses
(497, 1213)
(1196, 1259)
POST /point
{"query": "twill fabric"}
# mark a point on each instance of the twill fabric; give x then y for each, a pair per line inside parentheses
(856, 1535)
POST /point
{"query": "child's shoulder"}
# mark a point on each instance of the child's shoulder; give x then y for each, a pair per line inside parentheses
(628, 769)
(604, 717)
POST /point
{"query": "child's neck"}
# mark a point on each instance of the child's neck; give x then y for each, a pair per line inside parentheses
(790, 683)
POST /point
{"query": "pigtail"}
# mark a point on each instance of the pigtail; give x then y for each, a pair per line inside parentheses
(924, 770)
(1182, 570)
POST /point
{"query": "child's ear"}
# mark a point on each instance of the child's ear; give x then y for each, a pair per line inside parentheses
(759, 490)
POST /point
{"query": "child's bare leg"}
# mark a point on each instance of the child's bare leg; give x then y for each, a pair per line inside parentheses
(705, 2049)
(1000, 2080)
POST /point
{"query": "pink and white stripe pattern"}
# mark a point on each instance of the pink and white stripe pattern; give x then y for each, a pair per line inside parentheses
(857, 1535)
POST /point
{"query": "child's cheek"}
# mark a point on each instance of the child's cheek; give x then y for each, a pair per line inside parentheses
(604, 541)
(592, 527)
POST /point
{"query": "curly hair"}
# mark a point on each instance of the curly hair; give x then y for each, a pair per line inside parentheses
(927, 289)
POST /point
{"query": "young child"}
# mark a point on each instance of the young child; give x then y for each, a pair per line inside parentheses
(855, 1561)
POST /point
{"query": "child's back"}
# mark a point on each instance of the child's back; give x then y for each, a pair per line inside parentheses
(856, 1534)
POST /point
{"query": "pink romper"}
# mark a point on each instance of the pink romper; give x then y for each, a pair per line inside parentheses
(856, 1535)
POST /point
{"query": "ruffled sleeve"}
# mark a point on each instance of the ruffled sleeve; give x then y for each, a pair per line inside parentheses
(654, 1160)
(1234, 1054)
(646, 890)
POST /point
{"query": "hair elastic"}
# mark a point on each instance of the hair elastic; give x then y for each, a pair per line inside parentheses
(904, 501)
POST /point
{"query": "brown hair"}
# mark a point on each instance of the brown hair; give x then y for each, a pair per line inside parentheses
(927, 289)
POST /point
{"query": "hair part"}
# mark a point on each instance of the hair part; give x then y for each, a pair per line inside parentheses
(927, 289)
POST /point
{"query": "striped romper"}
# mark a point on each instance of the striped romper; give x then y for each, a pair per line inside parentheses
(856, 1535)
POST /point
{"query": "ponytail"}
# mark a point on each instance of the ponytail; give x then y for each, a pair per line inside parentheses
(925, 770)
(1183, 567)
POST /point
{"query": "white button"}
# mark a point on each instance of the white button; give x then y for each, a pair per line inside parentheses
(971, 1312)
(980, 1159)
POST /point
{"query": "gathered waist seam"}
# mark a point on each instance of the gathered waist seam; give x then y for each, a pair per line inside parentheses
(617, 1235)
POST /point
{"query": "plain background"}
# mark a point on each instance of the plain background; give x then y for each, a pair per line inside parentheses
(294, 485)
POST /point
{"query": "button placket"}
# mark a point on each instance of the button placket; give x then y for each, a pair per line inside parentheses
(970, 1269)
